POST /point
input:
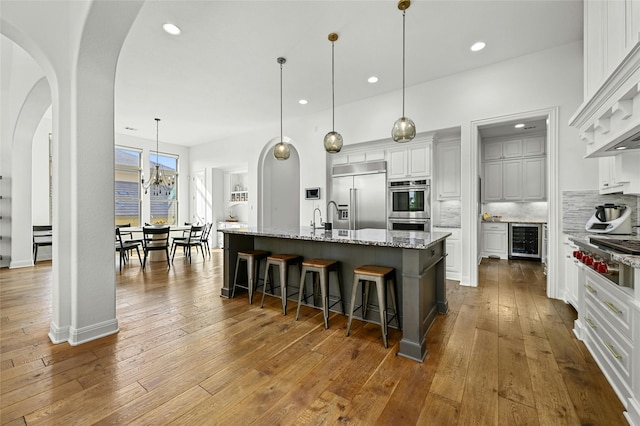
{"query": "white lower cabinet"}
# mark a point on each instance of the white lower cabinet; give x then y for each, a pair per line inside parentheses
(607, 321)
(454, 252)
(495, 240)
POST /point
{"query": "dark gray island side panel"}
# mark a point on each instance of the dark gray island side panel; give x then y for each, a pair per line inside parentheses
(420, 272)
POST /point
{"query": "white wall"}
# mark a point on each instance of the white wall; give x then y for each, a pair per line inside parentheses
(40, 174)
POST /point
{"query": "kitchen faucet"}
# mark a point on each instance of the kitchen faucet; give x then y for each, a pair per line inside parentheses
(313, 222)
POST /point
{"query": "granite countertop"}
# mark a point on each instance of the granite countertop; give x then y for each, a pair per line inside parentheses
(367, 237)
(513, 220)
(627, 259)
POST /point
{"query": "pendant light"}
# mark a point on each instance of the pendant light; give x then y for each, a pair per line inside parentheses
(160, 184)
(333, 139)
(281, 151)
(404, 129)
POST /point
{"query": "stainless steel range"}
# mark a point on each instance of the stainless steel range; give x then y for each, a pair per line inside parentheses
(597, 255)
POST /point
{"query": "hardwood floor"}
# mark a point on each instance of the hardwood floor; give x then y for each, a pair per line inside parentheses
(504, 355)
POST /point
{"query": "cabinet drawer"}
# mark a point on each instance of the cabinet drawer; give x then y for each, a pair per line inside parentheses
(494, 227)
(615, 349)
(613, 308)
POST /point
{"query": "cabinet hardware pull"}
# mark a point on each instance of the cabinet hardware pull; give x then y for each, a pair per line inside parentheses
(613, 351)
(591, 324)
(591, 289)
(613, 307)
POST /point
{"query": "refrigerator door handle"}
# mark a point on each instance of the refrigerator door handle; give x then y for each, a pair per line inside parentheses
(355, 208)
(351, 208)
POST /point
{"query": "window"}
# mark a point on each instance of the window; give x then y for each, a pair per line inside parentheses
(164, 206)
(128, 200)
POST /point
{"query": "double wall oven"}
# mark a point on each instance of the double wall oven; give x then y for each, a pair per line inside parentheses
(409, 205)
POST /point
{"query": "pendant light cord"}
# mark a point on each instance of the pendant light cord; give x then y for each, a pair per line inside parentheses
(157, 137)
(281, 134)
(333, 91)
(403, 31)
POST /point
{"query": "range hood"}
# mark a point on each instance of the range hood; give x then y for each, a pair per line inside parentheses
(610, 119)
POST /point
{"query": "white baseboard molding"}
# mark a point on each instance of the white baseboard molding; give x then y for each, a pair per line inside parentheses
(633, 412)
(58, 334)
(78, 336)
(25, 263)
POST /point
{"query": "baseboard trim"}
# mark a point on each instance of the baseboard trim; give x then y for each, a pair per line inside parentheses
(26, 263)
(633, 412)
(57, 334)
(77, 336)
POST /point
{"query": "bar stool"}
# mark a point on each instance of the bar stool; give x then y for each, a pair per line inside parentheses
(380, 275)
(282, 261)
(320, 269)
(252, 258)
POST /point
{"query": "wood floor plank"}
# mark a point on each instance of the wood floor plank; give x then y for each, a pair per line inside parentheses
(552, 397)
(504, 354)
(479, 405)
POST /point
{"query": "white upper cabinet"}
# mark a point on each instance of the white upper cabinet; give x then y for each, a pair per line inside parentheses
(609, 113)
(514, 169)
(411, 161)
(448, 170)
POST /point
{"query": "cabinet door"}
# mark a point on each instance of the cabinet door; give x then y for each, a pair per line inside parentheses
(533, 185)
(492, 151)
(419, 160)
(397, 163)
(512, 180)
(533, 146)
(512, 148)
(492, 181)
(448, 178)
(495, 242)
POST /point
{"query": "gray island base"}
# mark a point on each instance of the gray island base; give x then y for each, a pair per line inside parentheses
(418, 257)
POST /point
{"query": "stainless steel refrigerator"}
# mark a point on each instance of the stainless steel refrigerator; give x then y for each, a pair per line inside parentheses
(360, 192)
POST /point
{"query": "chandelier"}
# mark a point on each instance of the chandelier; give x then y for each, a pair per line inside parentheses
(159, 183)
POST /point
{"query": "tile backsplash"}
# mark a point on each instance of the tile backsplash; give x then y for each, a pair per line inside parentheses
(579, 206)
(525, 211)
(450, 213)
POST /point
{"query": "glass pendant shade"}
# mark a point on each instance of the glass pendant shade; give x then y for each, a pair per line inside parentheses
(404, 130)
(333, 142)
(281, 151)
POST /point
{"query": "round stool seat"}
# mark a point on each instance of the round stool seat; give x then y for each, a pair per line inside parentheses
(254, 253)
(373, 270)
(319, 263)
(284, 257)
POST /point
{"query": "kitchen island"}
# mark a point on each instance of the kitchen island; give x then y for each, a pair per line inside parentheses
(418, 257)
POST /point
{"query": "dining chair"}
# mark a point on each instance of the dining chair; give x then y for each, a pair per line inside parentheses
(155, 238)
(125, 246)
(193, 240)
(42, 236)
(205, 237)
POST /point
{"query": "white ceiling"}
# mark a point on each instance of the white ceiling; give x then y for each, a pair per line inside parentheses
(220, 76)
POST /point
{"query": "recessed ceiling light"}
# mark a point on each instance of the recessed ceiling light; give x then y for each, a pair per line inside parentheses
(303, 101)
(171, 29)
(621, 147)
(519, 126)
(477, 46)
(372, 79)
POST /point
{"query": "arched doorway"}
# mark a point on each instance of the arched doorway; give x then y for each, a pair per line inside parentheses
(279, 183)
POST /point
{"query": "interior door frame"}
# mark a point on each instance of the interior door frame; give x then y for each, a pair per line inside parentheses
(552, 186)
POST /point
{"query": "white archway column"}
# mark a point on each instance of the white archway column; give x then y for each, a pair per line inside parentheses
(34, 107)
(79, 63)
(91, 179)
